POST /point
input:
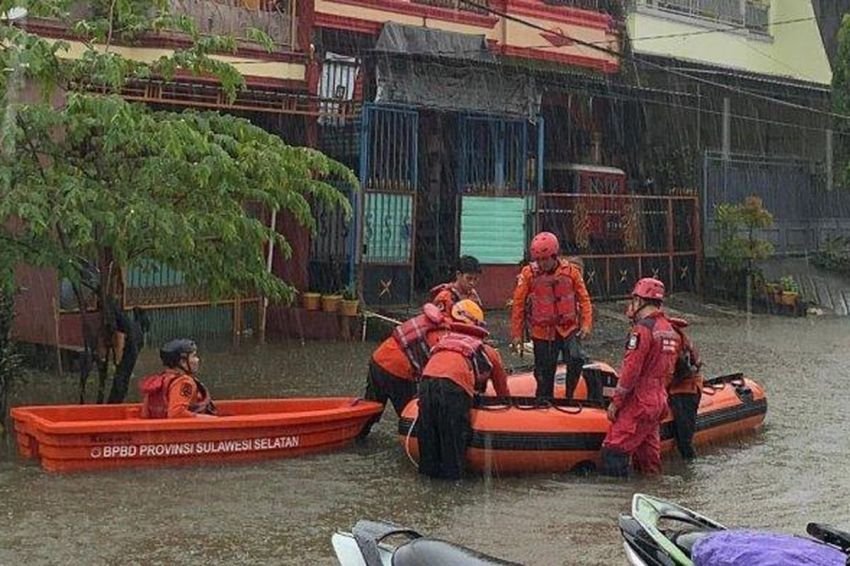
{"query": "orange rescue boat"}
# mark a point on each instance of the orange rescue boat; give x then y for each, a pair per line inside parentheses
(521, 434)
(66, 438)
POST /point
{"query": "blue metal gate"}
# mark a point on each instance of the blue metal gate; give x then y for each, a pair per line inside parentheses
(495, 158)
(389, 176)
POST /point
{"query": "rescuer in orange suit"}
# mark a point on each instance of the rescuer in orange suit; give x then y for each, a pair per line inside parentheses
(460, 365)
(640, 399)
(176, 392)
(551, 298)
(684, 391)
(396, 365)
(463, 287)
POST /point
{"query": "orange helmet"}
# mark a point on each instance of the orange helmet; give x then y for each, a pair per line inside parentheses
(544, 245)
(649, 288)
(467, 311)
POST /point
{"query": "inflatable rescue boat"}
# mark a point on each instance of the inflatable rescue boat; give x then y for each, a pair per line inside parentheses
(522, 434)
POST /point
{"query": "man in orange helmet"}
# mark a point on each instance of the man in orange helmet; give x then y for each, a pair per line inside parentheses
(552, 299)
(463, 287)
(396, 364)
(460, 365)
(640, 399)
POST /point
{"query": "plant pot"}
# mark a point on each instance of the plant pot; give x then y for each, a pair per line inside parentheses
(789, 298)
(311, 301)
(348, 307)
(330, 303)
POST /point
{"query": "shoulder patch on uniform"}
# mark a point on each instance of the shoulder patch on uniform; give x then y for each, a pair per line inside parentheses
(633, 341)
(186, 390)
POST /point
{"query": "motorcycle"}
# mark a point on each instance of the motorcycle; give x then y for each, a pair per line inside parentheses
(369, 544)
(660, 533)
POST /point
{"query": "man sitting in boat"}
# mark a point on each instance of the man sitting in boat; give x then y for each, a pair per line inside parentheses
(176, 392)
(460, 364)
(640, 399)
(463, 287)
(396, 365)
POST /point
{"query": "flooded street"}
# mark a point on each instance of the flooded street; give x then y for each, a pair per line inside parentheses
(284, 511)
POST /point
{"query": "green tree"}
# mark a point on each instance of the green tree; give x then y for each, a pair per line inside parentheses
(841, 101)
(90, 183)
(736, 251)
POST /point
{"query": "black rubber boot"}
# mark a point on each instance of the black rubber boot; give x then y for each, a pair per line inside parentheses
(615, 463)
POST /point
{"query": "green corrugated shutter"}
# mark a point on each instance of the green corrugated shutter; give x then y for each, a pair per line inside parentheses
(493, 229)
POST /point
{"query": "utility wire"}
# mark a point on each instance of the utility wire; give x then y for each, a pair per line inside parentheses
(664, 68)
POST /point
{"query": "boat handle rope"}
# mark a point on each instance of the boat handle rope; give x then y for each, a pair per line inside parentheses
(407, 440)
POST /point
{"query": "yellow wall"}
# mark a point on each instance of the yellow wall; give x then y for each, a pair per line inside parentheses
(795, 50)
(248, 67)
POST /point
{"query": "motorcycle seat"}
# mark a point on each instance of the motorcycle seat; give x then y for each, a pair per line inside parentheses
(434, 552)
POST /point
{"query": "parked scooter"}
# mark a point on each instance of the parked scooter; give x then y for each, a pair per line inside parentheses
(369, 544)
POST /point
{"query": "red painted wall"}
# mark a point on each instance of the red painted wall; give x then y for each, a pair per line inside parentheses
(496, 285)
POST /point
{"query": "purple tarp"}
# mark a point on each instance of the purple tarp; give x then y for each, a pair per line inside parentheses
(751, 548)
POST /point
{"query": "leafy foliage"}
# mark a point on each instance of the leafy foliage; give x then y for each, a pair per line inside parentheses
(841, 99)
(89, 179)
(736, 252)
(834, 255)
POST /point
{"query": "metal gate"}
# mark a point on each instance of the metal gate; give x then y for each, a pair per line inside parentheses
(388, 175)
(495, 156)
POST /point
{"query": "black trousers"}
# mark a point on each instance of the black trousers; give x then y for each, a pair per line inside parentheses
(382, 386)
(684, 408)
(443, 429)
(546, 355)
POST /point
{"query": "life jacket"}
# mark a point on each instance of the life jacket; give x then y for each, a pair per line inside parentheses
(411, 336)
(688, 363)
(552, 298)
(155, 389)
(468, 341)
(456, 296)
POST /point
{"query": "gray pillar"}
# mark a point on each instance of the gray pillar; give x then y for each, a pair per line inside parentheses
(829, 164)
(727, 128)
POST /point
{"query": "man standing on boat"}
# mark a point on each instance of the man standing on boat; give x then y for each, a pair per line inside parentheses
(552, 299)
(684, 391)
(640, 399)
(176, 392)
(463, 287)
(460, 365)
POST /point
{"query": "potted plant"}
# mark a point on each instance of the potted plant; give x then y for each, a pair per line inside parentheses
(330, 302)
(790, 290)
(350, 302)
(311, 301)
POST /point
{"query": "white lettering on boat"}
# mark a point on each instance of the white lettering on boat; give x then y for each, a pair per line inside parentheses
(194, 448)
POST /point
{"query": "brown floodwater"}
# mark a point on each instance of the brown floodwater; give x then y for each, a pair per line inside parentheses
(284, 511)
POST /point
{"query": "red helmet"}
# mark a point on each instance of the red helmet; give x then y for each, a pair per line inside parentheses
(544, 245)
(649, 288)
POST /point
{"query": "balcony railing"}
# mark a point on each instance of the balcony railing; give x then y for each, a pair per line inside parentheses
(481, 6)
(751, 14)
(276, 18)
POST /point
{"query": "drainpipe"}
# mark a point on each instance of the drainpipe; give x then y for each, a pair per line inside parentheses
(261, 335)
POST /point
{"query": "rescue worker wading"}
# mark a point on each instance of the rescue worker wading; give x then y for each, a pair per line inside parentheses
(640, 400)
(460, 365)
(684, 391)
(551, 297)
(396, 365)
(463, 287)
(176, 392)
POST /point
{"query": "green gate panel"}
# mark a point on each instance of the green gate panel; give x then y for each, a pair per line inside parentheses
(387, 228)
(493, 229)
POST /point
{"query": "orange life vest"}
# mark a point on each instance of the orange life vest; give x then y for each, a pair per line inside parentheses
(411, 335)
(552, 298)
(468, 341)
(155, 389)
(456, 296)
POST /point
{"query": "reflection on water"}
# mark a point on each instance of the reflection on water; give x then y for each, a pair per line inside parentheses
(285, 511)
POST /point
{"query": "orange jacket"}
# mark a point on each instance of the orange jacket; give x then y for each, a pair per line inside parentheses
(448, 294)
(523, 288)
(690, 385)
(184, 396)
(391, 358)
(455, 367)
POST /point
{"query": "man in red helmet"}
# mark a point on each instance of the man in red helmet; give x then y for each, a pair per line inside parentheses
(552, 299)
(640, 400)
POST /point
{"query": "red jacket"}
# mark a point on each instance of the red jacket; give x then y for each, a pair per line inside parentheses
(690, 385)
(648, 365)
(446, 295)
(455, 367)
(174, 394)
(391, 358)
(584, 314)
